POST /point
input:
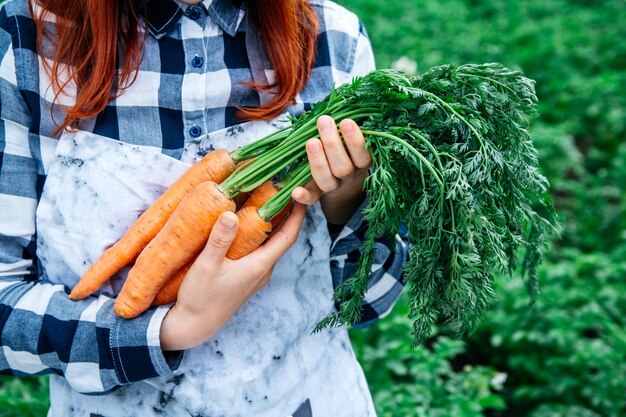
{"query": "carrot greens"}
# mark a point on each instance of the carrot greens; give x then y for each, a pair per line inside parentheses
(454, 162)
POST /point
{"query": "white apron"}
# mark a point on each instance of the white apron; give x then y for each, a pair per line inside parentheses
(265, 362)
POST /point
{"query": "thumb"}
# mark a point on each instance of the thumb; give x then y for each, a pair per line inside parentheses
(307, 195)
(221, 237)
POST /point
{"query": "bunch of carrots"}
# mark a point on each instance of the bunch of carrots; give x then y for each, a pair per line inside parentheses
(166, 239)
(452, 160)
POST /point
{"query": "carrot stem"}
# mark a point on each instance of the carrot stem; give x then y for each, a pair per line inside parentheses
(270, 163)
(275, 204)
(260, 146)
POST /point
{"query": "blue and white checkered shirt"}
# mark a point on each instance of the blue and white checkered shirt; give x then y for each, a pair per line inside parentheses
(190, 83)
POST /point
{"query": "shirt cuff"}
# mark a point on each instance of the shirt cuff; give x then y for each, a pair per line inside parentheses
(351, 235)
(136, 347)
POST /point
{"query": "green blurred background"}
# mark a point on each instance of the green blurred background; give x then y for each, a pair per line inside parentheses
(567, 356)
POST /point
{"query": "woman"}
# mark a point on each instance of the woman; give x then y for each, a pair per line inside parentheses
(103, 105)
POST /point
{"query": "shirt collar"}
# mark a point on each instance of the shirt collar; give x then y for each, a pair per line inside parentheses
(163, 15)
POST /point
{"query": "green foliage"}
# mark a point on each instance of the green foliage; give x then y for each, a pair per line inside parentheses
(593, 204)
(427, 381)
(23, 397)
(463, 130)
(574, 50)
(568, 352)
(453, 161)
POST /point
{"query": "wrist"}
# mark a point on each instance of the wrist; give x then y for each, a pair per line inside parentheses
(182, 329)
(339, 208)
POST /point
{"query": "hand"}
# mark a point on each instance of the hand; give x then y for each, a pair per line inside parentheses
(216, 287)
(338, 174)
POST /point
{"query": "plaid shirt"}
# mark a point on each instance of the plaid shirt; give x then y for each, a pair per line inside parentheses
(189, 83)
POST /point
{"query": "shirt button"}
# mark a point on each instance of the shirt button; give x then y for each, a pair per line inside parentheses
(197, 61)
(195, 131)
(194, 13)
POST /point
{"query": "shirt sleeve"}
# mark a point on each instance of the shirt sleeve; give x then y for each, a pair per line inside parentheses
(41, 330)
(385, 283)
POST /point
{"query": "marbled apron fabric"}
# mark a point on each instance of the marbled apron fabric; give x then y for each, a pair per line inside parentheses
(265, 362)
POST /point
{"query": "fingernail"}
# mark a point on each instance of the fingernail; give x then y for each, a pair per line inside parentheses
(227, 222)
(297, 194)
(348, 126)
(314, 147)
(326, 122)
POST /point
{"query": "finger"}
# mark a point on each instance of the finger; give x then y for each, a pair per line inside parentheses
(352, 135)
(320, 170)
(340, 163)
(308, 195)
(221, 237)
(284, 238)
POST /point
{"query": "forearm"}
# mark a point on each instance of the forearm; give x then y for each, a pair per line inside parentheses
(45, 332)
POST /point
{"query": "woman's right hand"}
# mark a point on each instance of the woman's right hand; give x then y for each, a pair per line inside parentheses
(215, 286)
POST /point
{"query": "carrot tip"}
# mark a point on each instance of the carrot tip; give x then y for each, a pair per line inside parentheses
(120, 311)
(74, 295)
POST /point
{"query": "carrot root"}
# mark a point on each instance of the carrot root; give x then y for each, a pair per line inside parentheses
(181, 240)
(252, 232)
(215, 166)
(261, 194)
(169, 292)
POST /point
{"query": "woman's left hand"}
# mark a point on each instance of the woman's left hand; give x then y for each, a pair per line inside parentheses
(338, 174)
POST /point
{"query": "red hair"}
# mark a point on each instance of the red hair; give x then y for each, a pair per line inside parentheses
(289, 32)
(95, 37)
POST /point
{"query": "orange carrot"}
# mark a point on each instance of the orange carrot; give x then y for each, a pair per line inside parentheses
(169, 292)
(215, 167)
(252, 232)
(255, 223)
(281, 214)
(181, 240)
(261, 194)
